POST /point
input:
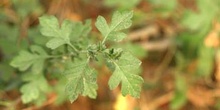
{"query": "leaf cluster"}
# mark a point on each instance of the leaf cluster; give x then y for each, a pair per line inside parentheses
(68, 42)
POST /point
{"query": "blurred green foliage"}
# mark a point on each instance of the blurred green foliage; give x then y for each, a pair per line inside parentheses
(189, 43)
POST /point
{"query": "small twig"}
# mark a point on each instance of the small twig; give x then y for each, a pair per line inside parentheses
(144, 33)
(156, 45)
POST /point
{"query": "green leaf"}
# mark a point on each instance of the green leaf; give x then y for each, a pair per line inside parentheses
(41, 99)
(60, 90)
(124, 72)
(29, 93)
(80, 30)
(58, 35)
(116, 36)
(81, 80)
(54, 43)
(180, 97)
(49, 26)
(36, 85)
(102, 25)
(87, 28)
(40, 83)
(120, 21)
(26, 59)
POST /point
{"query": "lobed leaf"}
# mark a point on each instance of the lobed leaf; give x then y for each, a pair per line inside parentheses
(102, 25)
(116, 36)
(124, 73)
(80, 30)
(64, 34)
(49, 26)
(33, 88)
(119, 22)
(81, 80)
(34, 59)
(58, 35)
(29, 93)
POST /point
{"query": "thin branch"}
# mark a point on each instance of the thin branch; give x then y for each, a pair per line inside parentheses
(156, 45)
(144, 33)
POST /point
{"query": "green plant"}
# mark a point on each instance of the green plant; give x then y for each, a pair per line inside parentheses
(70, 49)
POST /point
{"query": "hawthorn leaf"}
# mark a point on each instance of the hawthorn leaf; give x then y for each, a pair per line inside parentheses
(87, 27)
(66, 29)
(80, 30)
(40, 83)
(102, 26)
(49, 26)
(58, 35)
(34, 59)
(29, 93)
(54, 43)
(119, 21)
(77, 31)
(33, 88)
(124, 72)
(81, 80)
(116, 36)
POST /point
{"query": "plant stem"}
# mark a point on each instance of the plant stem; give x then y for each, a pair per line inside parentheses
(103, 41)
(74, 48)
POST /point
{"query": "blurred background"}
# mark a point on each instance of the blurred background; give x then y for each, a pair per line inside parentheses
(176, 40)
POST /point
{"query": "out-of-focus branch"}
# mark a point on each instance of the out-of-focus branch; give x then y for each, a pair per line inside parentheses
(156, 45)
(144, 33)
(152, 31)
